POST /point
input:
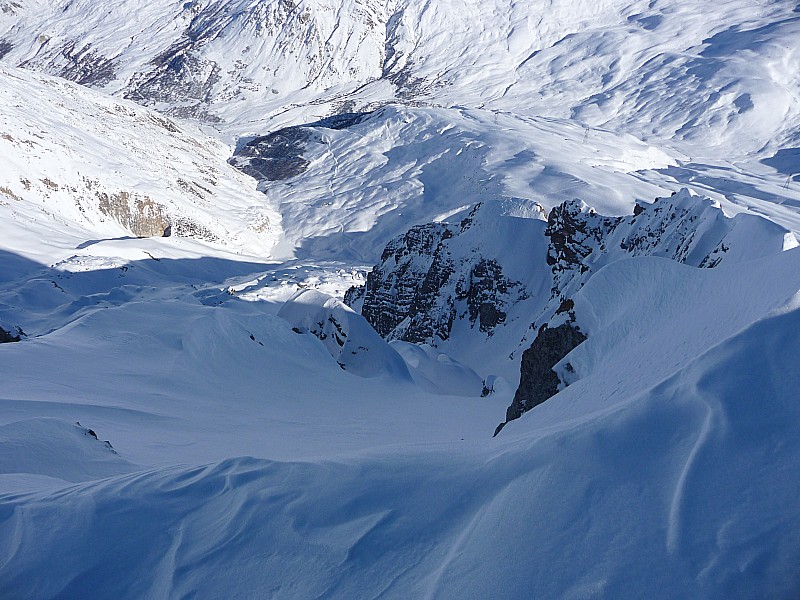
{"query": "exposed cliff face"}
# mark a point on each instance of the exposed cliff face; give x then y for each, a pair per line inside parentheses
(142, 216)
(538, 381)
(109, 168)
(440, 274)
(435, 275)
(403, 298)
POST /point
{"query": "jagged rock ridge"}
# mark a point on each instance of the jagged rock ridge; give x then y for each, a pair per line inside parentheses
(434, 275)
(421, 287)
(685, 228)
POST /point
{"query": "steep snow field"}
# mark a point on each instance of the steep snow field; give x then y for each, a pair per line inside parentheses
(192, 412)
(675, 480)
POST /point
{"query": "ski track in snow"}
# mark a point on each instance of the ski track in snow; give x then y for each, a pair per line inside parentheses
(678, 497)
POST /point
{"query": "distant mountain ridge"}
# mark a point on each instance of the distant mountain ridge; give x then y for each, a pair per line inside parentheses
(238, 61)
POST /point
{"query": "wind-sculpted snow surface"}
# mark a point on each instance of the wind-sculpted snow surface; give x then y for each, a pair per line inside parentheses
(647, 499)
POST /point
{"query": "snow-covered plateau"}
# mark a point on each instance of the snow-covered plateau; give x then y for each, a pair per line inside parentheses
(399, 299)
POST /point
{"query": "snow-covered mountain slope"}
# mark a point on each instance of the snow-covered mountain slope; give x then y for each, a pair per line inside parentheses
(150, 353)
(549, 98)
(349, 185)
(262, 439)
(728, 69)
(78, 167)
(201, 59)
(467, 287)
(618, 487)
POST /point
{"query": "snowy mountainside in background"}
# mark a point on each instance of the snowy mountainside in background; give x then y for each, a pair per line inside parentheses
(710, 92)
(79, 166)
(607, 64)
(347, 190)
(196, 58)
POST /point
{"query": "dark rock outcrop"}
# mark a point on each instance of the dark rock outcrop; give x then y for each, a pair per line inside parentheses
(7, 336)
(5, 48)
(279, 155)
(538, 380)
(431, 276)
(481, 289)
(684, 228)
(274, 157)
(438, 274)
(404, 289)
(10, 7)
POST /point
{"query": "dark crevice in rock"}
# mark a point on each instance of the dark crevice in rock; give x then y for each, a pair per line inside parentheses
(538, 381)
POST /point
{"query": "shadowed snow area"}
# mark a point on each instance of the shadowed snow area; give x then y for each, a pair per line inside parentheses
(661, 474)
(405, 493)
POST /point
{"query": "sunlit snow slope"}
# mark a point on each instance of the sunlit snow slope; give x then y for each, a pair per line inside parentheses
(79, 167)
